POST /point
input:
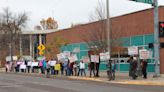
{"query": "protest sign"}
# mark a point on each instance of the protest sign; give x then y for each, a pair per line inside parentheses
(22, 66)
(95, 58)
(104, 56)
(133, 50)
(29, 63)
(73, 58)
(85, 59)
(60, 56)
(145, 54)
(66, 54)
(34, 64)
(52, 63)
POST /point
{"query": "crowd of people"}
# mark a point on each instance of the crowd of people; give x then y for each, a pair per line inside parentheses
(67, 68)
(52, 67)
(133, 66)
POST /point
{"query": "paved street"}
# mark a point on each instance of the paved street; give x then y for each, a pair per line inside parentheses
(22, 83)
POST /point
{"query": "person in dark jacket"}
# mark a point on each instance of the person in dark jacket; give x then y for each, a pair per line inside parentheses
(134, 68)
(113, 68)
(92, 68)
(109, 70)
(130, 61)
(144, 68)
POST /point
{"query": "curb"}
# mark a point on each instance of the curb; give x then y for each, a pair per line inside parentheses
(126, 82)
(148, 83)
(85, 78)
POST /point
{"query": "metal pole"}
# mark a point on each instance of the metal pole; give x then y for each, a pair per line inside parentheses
(108, 28)
(10, 52)
(30, 37)
(40, 39)
(156, 39)
(20, 45)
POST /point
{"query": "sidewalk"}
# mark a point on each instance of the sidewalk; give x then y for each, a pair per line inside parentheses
(121, 78)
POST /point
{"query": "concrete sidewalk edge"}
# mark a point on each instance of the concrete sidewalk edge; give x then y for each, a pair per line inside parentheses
(132, 82)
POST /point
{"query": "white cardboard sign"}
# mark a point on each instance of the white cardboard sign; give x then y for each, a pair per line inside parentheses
(34, 64)
(73, 58)
(59, 56)
(104, 56)
(95, 58)
(144, 54)
(85, 59)
(133, 50)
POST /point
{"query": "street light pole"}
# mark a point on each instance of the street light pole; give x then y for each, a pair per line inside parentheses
(20, 45)
(156, 39)
(30, 37)
(108, 28)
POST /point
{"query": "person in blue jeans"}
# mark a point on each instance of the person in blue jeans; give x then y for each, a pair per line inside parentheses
(82, 68)
(113, 68)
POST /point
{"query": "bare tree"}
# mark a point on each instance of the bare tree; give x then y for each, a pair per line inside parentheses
(10, 27)
(96, 38)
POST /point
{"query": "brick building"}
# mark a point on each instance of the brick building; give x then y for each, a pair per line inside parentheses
(136, 30)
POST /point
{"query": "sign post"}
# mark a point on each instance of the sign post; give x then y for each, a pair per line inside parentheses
(41, 48)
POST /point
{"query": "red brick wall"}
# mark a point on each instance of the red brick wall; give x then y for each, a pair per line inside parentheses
(162, 58)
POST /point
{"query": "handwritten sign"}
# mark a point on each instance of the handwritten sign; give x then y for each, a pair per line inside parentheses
(95, 58)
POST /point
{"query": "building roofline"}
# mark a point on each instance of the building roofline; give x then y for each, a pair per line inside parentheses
(57, 30)
(136, 12)
(111, 17)
(38, 31)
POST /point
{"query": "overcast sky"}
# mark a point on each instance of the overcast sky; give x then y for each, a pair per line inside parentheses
(67, 12)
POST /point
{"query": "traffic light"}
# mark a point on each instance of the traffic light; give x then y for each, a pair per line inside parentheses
(161, 45)
(161, 29)
(150, 45)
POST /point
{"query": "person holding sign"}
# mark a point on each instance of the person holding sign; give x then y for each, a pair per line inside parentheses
(134, 68)
(144, 68)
